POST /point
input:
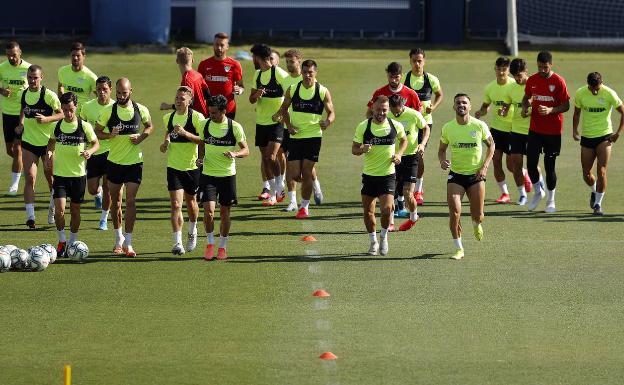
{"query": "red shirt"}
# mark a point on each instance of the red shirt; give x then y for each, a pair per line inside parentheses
(220, 75)
(195, 81)
(549, 92)
(410, 97)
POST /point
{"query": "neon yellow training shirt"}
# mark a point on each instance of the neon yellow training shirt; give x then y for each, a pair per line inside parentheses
(596, 110)
(378, 161)
(67, 159)
(519, 125)
(267, 107)
(82, 82)
(466, 143)
(496, 95)
(412, 121)
(306, 123)
(215, 163)
(182, 156)
(122, 151)
(416, 83)
(35, 133)
(91, 112)
(13, 78)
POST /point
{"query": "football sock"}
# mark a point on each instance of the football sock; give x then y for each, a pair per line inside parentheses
(210, 238)
(61, 235)
(373, 236)
(551, 195)
(292, 195)
(593, 187)
(316, 185)
(177, 237)
(305, 203)
(413, 216)
(15, 177)
(192, 227)
(383, 233)
(128, 239)
(503, 187)
(30, 210)
(419, 184)
(458, 243)
(223, 242)
(104, 215)
(72, 237)
(599, 197)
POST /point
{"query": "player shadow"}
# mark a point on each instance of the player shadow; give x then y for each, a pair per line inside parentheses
(347, 257)
(293, 233)
(141, 258)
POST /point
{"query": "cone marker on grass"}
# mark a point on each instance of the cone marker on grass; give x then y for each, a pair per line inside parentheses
(320, 293)
(328, 356)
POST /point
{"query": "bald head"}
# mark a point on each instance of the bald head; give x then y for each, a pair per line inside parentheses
(123, 91)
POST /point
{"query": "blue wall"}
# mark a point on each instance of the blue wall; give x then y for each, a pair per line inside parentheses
(51, 15)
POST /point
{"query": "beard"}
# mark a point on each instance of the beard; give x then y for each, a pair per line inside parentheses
(123, 101)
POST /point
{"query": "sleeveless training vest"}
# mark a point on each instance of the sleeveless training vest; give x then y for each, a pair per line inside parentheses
(128, 127)
(424, 93)
(75, 138)
(188, 126)
(272, 88)
(312, 106)
(227, 140)
(41, 107)
(389, 139)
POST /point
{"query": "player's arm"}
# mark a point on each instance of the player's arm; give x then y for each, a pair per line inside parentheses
(426, 131)
(560, 109)
(256, 94)
(20, 127)
(243, 152)
(147, 130)
(58, 115)
(60, 89)
(185, 134)
(482, 111)
(49, 155)
(329, 108)
(444, 163)
(576, 118)
(284, 115)
(614, 137)
(239, 88)
(525, 106)
(201, 151)
(359, 148)
(438, 96)
(99, 132)
(165, 144)
(164, 106)
(396, 158)
(94, 146)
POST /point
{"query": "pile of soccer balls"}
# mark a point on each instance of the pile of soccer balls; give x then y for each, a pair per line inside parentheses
(37, 258)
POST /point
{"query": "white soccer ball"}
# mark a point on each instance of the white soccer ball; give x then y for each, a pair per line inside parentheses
(19, 259)
(39, 259)
(9, 248)
(5, 261)
(51, 250)
(78, 251)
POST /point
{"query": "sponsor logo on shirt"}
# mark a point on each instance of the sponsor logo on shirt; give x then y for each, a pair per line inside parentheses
(465, 145)
(544, 98)
(221, 79)
(217, 141)
(75, 89)
(30, 112)
(596, 109)
(15, 82)
(126, 128)
(22, 73)
(601, 100)
(70, 140)
(80, 80)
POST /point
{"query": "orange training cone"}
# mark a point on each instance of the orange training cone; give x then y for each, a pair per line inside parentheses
(308, 238)
(328, 356)
(320, 293)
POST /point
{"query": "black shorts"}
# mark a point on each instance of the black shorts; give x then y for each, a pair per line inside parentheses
(285, 141)
(187, 180)
(540, 143)
(9, 122)
(308, 149)
(407, 170)
(120, 174)
(594, 142)
(463, 180)
(518, 143)
(97, 165)
(72, 187)
(376, 186)
(221, 188)
(502, 140)
(37, 150)
(270, 133)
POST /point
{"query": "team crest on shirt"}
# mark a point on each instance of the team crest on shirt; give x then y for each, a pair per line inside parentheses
(601, 100)
(22, 74)
(473, 134)
(26, 110)
(80, 80)
(226, 68)
(551, 88)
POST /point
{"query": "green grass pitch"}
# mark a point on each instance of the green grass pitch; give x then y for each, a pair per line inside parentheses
(538, 301)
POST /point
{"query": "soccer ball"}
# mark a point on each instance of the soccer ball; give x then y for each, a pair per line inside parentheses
(50, 250)
(78, 251)
(19, 259)
(8, 248)
(5, 261)
(39, 259)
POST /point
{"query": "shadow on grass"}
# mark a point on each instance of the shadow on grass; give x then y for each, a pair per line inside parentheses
(141, 258)
(362, 257)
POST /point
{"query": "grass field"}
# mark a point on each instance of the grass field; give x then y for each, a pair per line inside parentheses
(539, 301)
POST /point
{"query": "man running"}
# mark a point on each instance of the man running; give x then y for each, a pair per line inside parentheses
(123, 119)
(98, 162)
(76, 77)
(13, 77)
(302, 112)
(182, 171)
(547, 95)
(40, 108)
(425, 84)
(217, 141)
(72, 143)
(497, 94)
(592, 109)
(465, 136)
(191, 79)
(376, 138)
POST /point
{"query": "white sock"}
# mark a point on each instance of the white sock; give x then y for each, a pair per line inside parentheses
(104, 215)
(279, 184)
(593, 187)
(316, 185)
(51, 201)
(128, 239)
(419, 184)
(15, 177)
(223, 242)
(272, 187)
(266, 185)
(599, 197)
(72, 237)
(192, 227)
(551, 195)
(522, 191)
(392, 218)
(118, 236)
(458, 244)
(537, 187)
(401, 198)
(210, 238)
(475, 224)
(99, 191)
(283, 180)
(177, 237)
(413, 216)
(383, 233)
(373, 236)
(292, 195)
(305, 203)
(30, 210)
(503, 187)
(61, 235)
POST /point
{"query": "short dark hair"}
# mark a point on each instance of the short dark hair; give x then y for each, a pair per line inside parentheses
(218, 101)
(12, 44)
(221, 35)
(69, 97)
(517, 65)
(293, 53)
(459, 95)
(502, 61)
(416, 51)
(381, 99)
(396, 100)
(104, 80)
(394, 68)
(309, 63)
(35, 67)
(78, 46)
(544, 57)
(594, 79)
(263, 51)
